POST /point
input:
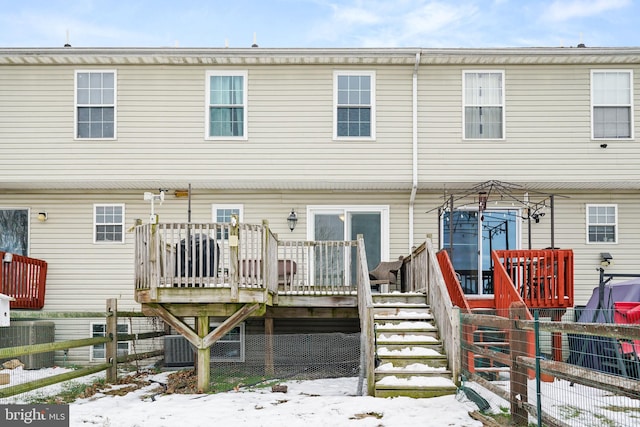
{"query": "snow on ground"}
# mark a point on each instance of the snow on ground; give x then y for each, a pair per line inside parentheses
(325, 402)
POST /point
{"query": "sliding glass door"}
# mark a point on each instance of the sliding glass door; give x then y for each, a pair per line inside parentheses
(338, 223)
(470, 236)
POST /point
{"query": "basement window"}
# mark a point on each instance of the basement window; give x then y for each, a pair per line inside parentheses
(229, 348)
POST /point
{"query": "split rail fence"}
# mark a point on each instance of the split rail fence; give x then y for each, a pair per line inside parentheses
(111, 339)
(554, 392)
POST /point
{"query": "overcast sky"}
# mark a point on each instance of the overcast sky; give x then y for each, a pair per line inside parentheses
(319, 23)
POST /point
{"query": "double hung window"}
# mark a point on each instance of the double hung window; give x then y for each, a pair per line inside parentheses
(108, 223)
(611, 99)
(227, 105)
(483, 104)
(354, 98)
(602, 224)
(95, 104)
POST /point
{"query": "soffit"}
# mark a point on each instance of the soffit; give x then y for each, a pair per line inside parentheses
(362, 56)
(304, 185)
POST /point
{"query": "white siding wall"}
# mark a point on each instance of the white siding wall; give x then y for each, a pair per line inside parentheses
(161, 128)
(548, 129)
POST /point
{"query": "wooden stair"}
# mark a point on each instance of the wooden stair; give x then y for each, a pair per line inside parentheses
(412, 360)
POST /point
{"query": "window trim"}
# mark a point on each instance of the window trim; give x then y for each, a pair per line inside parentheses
(588, 224)
(502, 101)
(372, 105)
(630, 105)
(245, 104)
(92, 357)
(114, 105)
(95, 224)
(216, 206)
(241, 358)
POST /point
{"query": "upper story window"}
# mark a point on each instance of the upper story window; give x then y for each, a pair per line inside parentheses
(611, 100)
(95, 104)
(354, 109)
(108, 223)
(602, 223)
(226, 105)
(483, 104)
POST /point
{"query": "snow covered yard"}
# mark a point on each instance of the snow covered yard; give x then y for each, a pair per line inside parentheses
(324, 402)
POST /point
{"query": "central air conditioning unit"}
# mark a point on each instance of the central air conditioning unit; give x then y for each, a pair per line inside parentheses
(178, 351)
(30, 332)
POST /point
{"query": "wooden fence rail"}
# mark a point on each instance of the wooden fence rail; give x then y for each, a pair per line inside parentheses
(111, 339)
(520, 363)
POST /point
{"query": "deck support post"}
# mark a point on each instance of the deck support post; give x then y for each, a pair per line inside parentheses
(268, 351)
(203, 355)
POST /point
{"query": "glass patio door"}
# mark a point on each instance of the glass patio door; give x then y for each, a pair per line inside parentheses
(338, 224)
(470, 238)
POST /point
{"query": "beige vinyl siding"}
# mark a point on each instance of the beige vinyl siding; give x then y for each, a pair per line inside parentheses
(82, 275)
(548, 129)
(161, 122)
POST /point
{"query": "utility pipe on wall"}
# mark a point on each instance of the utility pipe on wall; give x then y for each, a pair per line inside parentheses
(414, 186)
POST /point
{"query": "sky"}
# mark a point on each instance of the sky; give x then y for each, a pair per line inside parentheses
(319, 23)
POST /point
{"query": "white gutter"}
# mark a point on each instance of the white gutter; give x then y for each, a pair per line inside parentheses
(414, 187)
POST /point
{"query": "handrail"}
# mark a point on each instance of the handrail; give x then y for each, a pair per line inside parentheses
(504, 290)
(454, 288)
(365, 311)
(24, 279)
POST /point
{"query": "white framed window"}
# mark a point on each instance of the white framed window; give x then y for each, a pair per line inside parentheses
(229, 348)
(602, 223)
(354, 104)
(612, 104)
(97, 351)
(108, 223)
(95, 99)
(483, 100)
(226, 105)
(221, 214)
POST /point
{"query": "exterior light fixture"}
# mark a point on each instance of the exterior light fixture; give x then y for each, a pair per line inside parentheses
(292, 220)
(42, 216)
(605, 259)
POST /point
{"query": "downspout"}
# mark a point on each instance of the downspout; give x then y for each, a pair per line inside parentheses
(414, 186)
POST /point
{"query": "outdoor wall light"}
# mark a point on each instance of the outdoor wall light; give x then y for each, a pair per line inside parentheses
(292, 220)
(42, 216)
(605, 259)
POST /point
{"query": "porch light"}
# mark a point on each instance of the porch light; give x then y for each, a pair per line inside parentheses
(42, 216)
(292, 220)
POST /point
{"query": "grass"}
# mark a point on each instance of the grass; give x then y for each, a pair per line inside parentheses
(72, 391)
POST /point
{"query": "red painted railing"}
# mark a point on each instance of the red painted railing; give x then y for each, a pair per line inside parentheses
(24, 279)
(542, 278)
(451, 280)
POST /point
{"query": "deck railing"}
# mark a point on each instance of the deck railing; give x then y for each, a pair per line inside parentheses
(542, 278)
(251, 256)
(24, 279)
